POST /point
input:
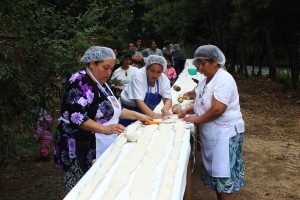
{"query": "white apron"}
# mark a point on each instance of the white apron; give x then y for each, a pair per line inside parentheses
(103, 141)
(214, 138)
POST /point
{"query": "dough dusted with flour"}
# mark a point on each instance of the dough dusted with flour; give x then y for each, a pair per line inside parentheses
(131, 131)
(87, 191)
(152, 145)
(168, 180)
(142, 184)
(134, 157)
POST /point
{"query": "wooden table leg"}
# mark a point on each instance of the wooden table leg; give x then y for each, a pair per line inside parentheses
(188, 188)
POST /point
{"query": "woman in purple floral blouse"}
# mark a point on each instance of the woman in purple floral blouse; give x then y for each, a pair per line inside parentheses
(89, 116)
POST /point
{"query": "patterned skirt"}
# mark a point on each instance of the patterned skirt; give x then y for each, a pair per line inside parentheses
(72, 175)
(237, 179)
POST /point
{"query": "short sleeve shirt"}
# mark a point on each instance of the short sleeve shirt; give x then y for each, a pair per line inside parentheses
(224, 89)
(138, 87)
(124, 75)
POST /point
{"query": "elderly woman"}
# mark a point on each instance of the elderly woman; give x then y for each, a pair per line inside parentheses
(89, 107)
(147, 88)
(218, 113)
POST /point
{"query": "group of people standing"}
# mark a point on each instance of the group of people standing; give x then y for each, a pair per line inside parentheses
(173, 53)
(92, 117)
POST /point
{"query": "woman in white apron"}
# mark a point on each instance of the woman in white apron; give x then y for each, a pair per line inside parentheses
(217, 111)
(90, 114)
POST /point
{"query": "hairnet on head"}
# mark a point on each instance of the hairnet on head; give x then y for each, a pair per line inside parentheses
(209, 52)
(97, 53)
(154, 59)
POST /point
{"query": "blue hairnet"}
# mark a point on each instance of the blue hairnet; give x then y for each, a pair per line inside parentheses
(154, 59)
(97, 53)
(209, 52)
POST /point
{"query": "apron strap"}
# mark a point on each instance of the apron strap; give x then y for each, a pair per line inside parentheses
(98, 84)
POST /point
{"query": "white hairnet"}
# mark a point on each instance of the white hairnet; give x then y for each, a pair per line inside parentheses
(154, 59)
(209, 52)
(97, 53)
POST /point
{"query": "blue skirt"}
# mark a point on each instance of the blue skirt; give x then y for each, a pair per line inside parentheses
(237, 179)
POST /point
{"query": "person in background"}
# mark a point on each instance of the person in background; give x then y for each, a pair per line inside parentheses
(90, 113)
(166, 49)
(117, 65)
(148, 86)
(137, 57)
(152, 50)
(178, 54)
(43, 132)
(139, 46)
(222, 127)
(122, 75)
(170, 71)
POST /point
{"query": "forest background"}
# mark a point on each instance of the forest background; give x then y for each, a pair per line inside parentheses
(40, 41)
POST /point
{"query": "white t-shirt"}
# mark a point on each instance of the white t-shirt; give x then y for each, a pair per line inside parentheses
(223, 87)
(120, 74)
(138, 87)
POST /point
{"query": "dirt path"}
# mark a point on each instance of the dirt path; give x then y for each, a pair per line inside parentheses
(271, 153)
(271, 146)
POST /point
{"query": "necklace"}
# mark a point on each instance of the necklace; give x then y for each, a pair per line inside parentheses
(202, 91)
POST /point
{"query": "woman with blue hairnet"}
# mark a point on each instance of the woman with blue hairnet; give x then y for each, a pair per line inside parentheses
(217, 111)
(90, 114)
(147, 88)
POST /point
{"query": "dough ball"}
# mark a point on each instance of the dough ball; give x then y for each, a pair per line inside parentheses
(131, 137)
(176, 88)
(180, 99)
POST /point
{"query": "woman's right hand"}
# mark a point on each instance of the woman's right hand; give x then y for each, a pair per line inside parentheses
(113, 129)
(181, 113)
(156, 116)
(143, 118)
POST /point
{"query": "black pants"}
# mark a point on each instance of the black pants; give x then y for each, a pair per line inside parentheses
(179, 66)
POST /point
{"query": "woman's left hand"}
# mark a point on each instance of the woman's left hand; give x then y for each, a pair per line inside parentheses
(165, 112)
(191, 119)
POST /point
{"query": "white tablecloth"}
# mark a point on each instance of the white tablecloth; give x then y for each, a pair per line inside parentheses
(180, 177)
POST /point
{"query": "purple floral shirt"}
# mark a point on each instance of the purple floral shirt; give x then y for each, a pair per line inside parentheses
(82, 100)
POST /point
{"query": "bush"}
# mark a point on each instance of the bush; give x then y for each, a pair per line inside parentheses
(39, 49)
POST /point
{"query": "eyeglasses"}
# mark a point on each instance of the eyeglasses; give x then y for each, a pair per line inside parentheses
(200, 62)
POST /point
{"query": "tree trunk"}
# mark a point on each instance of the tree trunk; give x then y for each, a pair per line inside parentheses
(243, 67)
(272, 69)
(292, 49)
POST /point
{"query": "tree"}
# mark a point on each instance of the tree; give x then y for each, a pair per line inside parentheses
(40, 43)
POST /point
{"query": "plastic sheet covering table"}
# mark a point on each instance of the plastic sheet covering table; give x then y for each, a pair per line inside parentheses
(180, 176)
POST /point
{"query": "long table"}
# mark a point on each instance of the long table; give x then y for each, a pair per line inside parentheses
(185, 82)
